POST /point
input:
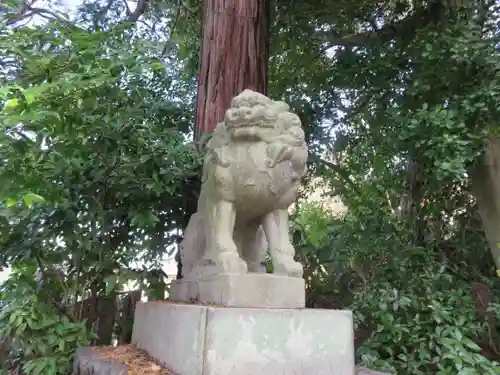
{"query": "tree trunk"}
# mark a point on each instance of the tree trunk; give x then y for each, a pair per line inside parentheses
(412, 200)
(485, 178)
(106, 307)
(126, 316)
(234, 57)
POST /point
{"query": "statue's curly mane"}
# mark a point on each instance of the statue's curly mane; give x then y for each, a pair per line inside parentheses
(254, 117)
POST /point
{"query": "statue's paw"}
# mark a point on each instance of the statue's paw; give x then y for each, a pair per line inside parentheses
(288, 268)
(256, 267)
(230, 262)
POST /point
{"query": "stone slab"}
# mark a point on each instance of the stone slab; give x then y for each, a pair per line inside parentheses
(206, 340)
(183, 290)
(88, 362)
(242, 290)
(171, 333)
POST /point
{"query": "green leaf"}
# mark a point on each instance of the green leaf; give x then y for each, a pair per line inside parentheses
(10, 105)
(111, 283)
(32, 198)
(467, 371)
(62, 345)
(11, 202)
(41, 367)
(471, 345)
(29, 366)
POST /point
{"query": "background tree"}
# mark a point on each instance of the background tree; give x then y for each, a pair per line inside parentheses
(233, 57)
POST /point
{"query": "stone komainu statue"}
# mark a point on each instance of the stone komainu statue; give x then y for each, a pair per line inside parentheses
(252, 173)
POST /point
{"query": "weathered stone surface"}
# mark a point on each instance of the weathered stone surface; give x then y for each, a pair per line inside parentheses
(173, 334)
(207, 340)
(252, 173)
(183, 290)
(242, 290)
(89, 362)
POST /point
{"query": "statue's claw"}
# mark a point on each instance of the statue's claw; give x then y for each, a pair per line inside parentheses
(287, 267)
(230, 262)
(256, 267)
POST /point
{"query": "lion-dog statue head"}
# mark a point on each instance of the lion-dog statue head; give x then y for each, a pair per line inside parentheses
(257, 134)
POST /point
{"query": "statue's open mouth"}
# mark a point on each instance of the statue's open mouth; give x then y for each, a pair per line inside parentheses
(250, 123)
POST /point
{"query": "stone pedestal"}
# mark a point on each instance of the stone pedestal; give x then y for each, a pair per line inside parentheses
(242, 290)
(206, 340)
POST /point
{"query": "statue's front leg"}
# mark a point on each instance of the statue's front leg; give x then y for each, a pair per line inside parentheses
(282, 252)
(253, 247)
(221, 248)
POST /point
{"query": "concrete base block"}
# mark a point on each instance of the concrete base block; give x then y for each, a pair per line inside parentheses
(246, 290)
(183, 290)
(206, 340)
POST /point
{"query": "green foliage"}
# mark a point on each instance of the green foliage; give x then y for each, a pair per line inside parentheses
(97, 178)
(99, 141)
(414, 310)
(41, 341)
(427, 323)
(413, 113)
(461, 101)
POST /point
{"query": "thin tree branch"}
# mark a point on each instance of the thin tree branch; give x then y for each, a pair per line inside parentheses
(48, 14)
(138, 11)
(172, 28)
(59, 307)
(28, 11)
(128, 12)
(341, 172)
(405, 27)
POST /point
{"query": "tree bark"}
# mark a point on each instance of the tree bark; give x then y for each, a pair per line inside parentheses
(234, 57)
(412, 200)
(485, 178)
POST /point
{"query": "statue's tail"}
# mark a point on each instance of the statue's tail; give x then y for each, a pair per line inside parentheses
(192, 245)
